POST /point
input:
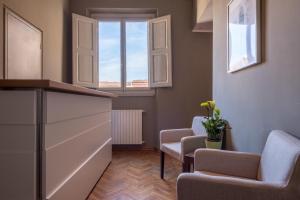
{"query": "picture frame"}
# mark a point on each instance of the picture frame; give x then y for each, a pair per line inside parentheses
(23, 48)
(243, 34)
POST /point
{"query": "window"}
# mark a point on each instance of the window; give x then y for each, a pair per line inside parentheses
(122, 52)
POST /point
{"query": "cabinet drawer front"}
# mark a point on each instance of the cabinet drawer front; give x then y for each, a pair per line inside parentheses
(77, 143)
(59, 132)
(62, 106)
(78, 185)
(64, 158)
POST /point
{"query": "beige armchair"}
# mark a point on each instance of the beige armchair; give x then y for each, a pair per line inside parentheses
(224, 175)
(178, 142)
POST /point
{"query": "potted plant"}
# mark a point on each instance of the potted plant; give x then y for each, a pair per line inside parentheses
(214, 125)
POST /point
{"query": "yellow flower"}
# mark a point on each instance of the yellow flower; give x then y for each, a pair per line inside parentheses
(204, 104)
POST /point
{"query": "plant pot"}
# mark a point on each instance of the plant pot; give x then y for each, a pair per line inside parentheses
(213, 144)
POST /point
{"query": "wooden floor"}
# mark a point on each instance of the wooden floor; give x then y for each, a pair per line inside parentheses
(135, 175)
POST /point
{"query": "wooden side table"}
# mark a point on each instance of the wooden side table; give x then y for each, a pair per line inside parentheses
(188, 161)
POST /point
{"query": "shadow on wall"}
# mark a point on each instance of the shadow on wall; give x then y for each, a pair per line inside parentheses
(227, 138)
(229, 145)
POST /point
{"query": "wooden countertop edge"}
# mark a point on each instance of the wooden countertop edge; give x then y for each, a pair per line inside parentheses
(53, 86)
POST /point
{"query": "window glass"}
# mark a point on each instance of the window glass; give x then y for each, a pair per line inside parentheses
(137, 54)
(109, 54)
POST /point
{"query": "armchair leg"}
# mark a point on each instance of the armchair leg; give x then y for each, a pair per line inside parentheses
(184, 167)
(162, 164)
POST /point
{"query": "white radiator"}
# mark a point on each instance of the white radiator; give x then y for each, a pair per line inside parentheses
(127, 126)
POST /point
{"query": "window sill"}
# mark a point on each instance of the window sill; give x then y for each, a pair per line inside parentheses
(131, 93)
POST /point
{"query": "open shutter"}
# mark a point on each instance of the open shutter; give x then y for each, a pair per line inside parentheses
(85, 51)
(160, 52)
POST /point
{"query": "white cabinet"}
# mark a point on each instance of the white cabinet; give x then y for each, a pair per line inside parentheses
(53, 145)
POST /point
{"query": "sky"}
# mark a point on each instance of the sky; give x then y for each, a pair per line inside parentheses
(136, 51)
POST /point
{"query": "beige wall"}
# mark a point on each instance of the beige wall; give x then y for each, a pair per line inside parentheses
(52, 17)
(192, 68)
(265, 97)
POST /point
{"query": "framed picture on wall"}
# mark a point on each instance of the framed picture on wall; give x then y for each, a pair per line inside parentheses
(243, 34)
(23, 48)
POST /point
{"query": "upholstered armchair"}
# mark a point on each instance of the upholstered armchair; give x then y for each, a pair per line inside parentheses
(225, 175)
(178, 142)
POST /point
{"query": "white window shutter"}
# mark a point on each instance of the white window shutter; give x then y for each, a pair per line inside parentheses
(160, 52)
(85, 51)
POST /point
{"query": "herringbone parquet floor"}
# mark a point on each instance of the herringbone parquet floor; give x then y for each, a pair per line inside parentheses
(135, 175)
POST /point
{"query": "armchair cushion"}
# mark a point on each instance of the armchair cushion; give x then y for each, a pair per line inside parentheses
(186, 145)
(229, 163)
(174, 135)
(173, 149)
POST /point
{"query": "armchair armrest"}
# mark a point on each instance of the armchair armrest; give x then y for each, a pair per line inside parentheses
(191, 143)
(227, 162)
(194, 187)
(174, 135)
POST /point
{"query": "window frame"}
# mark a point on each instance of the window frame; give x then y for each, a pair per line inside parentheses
(124, 17)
